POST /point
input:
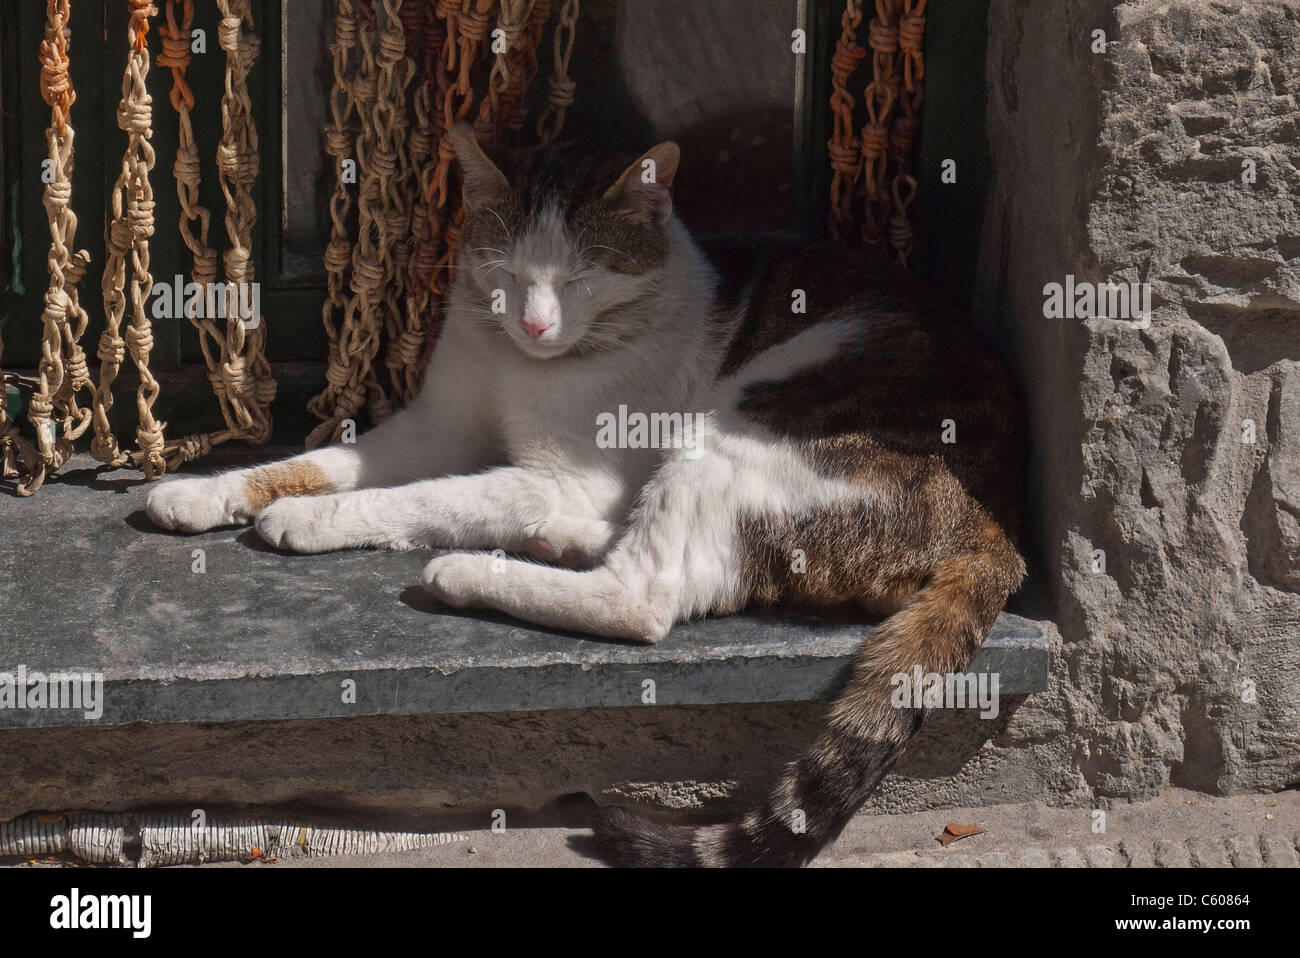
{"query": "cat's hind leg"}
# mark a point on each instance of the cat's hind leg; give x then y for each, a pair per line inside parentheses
(675, 560)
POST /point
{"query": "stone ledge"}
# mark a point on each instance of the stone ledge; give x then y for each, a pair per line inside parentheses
(89, 585)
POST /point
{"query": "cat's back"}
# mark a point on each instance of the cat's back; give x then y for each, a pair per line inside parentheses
(773, 286)
(913, 376)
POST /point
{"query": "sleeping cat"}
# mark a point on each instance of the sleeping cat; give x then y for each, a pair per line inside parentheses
(853, 443)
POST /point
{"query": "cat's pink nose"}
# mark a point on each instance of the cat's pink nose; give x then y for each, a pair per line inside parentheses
(535, 329)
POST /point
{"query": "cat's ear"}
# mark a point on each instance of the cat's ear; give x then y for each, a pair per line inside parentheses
(645, 188)
(482, 184)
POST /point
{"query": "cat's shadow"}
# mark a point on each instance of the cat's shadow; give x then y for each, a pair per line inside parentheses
(140, 522)
(419, 599)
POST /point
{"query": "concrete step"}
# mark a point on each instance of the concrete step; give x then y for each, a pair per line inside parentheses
(89, 585)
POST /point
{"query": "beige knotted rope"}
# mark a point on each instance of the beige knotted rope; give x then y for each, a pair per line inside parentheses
(355, 343)
(176, 55)
(330, 404)
(560, 89)
(505, 79)
(355, 323)
(522, 79)
(245, 379)
(128, 235)
(62, 372)
(426, 131)
(396, 179)
(237, 371)
(844, 147)
(399, 264)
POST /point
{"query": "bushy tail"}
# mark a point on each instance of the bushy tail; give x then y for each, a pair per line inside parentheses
(940, 629)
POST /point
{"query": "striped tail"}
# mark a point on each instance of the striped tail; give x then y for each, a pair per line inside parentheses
(940, 628)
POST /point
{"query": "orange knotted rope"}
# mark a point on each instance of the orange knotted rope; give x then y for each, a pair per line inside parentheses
(881, 155)
(843, 147)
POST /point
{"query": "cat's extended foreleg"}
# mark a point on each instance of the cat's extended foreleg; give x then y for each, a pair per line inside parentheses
(508, 508)
(443, 432)
(401, 449)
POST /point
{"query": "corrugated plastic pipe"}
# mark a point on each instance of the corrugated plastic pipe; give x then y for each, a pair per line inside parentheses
(176, 840)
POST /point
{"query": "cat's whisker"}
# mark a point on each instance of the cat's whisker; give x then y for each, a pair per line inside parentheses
(503, 224)
(610, 248)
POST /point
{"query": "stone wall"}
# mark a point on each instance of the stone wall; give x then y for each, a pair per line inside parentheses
(1173, 449)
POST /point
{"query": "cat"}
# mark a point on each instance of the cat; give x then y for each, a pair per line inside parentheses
(821, 470)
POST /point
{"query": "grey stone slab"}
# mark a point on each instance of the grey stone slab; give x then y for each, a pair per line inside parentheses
(88, 585)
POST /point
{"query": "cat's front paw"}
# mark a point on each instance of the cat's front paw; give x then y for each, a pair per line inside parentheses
(571, 541)
(191, 505)
(299, 524)
(459, 580)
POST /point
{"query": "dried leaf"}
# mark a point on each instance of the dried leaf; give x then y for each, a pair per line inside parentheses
(953, 832)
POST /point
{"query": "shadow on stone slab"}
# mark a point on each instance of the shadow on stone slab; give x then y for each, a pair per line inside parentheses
(419, 599)
(140, 522)
(124, 481)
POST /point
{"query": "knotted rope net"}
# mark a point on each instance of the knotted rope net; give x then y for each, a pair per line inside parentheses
(245, 379)
(237, 368)
(128, 237)
(228, 353)
(403, 75)
(53, 411)
(874, 165)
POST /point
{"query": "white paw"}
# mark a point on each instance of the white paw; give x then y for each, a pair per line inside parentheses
(299, 524)
(190, 505)
(571, 541)
(460, 580)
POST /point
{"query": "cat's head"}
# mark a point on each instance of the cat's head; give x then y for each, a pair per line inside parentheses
(560, 243)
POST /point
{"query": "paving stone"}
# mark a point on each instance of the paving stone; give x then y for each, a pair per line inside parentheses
(1207, 853)
(1068, 857)
(1100, 856)
(1279, 852)
(1172, 854)
(1244, 851)
(1034, 858)
(1137, 854)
